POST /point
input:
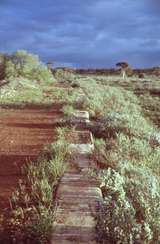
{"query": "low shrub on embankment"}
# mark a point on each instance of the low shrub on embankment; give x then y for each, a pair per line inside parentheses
(24, 81)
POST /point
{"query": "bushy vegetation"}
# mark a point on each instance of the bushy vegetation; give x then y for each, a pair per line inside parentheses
(131, 206)
(33, 203)
(116, 107)
(64, 76)
(129, 164)
(131, 190)
(26, 65)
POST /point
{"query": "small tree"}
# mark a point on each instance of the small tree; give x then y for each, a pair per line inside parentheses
(124, 67)
(24, 62)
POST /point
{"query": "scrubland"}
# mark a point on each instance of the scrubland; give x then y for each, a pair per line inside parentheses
(125, 123)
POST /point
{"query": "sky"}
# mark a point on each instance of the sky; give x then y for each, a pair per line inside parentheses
(83, 33)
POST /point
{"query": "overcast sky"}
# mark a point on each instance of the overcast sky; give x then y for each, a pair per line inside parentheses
(83, 33)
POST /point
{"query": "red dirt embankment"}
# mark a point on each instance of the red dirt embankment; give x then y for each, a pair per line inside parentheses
(23, 133)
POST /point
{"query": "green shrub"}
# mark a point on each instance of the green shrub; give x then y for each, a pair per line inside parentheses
(43, 74)
(23, 64)
(62, 75)
(59, 75)
(131, 206)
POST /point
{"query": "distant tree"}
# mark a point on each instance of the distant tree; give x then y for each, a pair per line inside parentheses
(124, 67)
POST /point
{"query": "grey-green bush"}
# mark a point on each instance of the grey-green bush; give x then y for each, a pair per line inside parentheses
(23, 64)
(131, 206)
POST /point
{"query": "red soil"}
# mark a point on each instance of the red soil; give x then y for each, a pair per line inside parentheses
(23, 133)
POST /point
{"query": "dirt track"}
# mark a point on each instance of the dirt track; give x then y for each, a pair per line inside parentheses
(23, 133)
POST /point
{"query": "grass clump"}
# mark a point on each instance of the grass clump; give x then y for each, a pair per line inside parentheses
(67, 96)
(68, 110)
(64, 76)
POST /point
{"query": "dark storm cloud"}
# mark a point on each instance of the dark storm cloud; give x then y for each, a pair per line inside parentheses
(86, 33)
